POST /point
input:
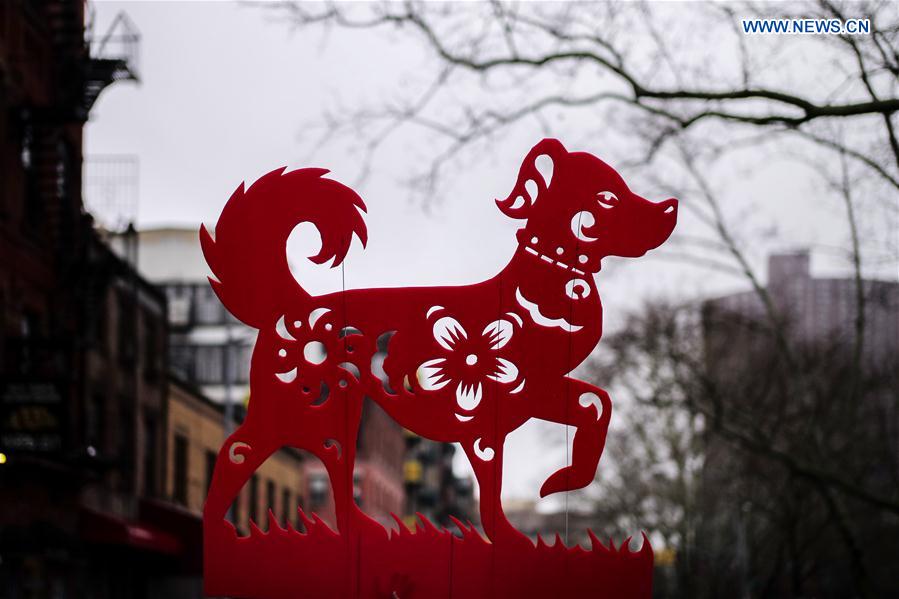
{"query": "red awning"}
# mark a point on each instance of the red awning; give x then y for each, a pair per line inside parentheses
(111, 530)
(185, 525)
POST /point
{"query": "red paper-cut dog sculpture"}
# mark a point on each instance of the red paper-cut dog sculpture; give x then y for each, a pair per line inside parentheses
(466, 364)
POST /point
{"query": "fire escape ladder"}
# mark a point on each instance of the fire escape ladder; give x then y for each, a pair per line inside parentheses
(112, 57)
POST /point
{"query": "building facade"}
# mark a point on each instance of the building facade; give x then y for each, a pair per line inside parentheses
(815, 309)
(82, 429)
(208, 348)
(82, 368)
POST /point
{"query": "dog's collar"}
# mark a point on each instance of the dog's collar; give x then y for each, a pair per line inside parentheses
(557, 263)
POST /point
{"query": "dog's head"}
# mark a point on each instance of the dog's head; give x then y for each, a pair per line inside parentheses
(579, 210)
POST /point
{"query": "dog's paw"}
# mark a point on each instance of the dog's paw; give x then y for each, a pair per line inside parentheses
(565, 479)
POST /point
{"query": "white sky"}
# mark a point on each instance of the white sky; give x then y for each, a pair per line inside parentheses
(225, 93)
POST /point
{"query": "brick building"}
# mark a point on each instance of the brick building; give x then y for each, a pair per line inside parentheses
(82, 336)
(82, 424)
(194, 432)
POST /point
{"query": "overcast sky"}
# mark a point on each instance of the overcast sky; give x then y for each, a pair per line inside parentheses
(224, 95)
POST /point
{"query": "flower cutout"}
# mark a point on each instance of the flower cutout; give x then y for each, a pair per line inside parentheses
(468, 361)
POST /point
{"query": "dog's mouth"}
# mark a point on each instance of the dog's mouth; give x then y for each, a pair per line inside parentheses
(557, 263)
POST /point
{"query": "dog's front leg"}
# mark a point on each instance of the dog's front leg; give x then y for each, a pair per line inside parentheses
(577, 408)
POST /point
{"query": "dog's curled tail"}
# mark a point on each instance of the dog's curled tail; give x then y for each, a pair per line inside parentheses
(248, 254)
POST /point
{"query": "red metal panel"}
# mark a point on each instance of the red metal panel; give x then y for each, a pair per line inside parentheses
(466, 364)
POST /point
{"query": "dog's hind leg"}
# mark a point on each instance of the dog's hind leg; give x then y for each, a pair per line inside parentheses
(339, 458)
(591, 422)
(242, 453)
(330, 433)
(269, 425)
(487, 463)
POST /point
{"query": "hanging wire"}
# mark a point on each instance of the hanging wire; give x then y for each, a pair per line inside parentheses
(349, 478)
(577, 249)
(498, 446)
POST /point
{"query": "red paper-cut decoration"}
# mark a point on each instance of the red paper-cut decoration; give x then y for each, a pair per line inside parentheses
(466, 364)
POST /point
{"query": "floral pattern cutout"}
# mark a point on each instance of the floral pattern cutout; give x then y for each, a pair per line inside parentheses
(469, 361)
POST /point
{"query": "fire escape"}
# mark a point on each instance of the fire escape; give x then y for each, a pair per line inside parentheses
(83, 66)
(53, 70)
(94, 61)
(111, 57)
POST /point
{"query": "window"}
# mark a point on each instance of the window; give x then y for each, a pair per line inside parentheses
(252, 508)
(94, 422)
(357, 488)
(234, 513)
(210, 468)
(125, 431)
(285, 505)
(239, 357)
(179, 297)
(33, 204)
(318, 489)
(179, 492)
(270, 495)
(207, 307)
(209, 364)
(31, 325)
(126, 333)
(151, 348)
(150, 431)
(97, 327)
(242, 368)
(64, 171)
(27, 154)
(183, 362)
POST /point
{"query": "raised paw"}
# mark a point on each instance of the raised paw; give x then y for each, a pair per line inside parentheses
(565, 479)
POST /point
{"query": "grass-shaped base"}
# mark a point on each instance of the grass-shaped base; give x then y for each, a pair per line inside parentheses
(429, 563)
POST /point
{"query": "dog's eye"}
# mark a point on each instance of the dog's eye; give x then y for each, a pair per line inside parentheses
(607, 199)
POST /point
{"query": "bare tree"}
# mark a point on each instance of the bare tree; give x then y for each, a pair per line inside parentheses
(674, 91)
(798, 473)
(532, 61)
(682, 92)
(679, 93)
(654, 453)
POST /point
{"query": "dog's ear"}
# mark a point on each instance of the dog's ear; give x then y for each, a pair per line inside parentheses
(533, 180)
